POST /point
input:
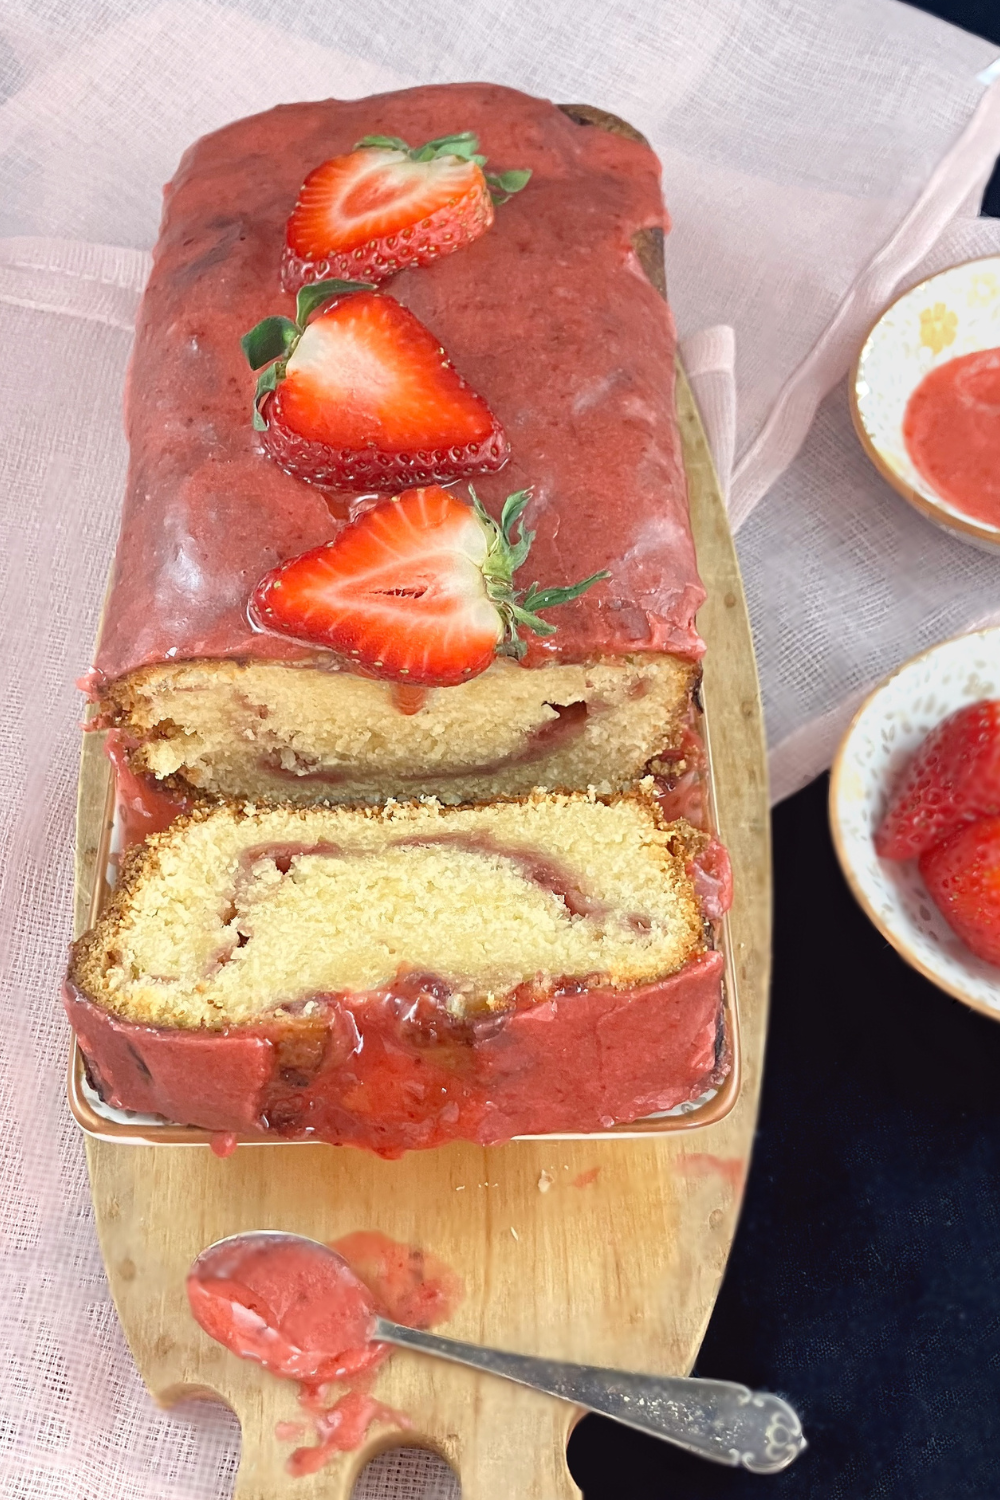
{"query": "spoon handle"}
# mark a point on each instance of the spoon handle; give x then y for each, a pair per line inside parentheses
(716, 1419)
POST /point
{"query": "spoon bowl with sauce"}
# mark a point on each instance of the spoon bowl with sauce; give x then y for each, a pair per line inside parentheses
(296, 1307)
(925, 399)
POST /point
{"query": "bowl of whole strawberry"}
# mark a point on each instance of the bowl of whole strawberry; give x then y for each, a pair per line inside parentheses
(915, 814)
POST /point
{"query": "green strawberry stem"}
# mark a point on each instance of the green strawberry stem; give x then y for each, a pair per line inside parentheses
(507, 549)
(502, 185)
(274, 339)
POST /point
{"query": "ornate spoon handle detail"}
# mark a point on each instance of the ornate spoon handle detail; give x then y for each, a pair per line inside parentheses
(716, 1419)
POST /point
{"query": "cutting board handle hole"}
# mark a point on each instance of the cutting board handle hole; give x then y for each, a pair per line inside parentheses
(408, 1470)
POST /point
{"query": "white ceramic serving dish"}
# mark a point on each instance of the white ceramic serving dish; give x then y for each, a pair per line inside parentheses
(953, 313)
(884, 733)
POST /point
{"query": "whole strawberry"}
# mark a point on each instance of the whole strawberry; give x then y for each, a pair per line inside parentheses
(358, 394)
(963, 878)
(418, 590)
(953, 779)
(384, 206)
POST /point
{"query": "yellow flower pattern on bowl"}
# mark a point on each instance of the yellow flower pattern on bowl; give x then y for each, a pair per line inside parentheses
(938, 327)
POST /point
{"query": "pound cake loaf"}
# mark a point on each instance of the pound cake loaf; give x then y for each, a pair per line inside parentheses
(557, 361)
(408, 975)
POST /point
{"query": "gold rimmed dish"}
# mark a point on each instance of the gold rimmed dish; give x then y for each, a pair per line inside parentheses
(886, 730)
(954, 313)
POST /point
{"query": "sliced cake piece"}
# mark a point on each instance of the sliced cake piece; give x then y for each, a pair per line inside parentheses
(408, 975)
(281, 733)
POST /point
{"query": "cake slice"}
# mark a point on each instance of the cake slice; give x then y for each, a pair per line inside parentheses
(555, 316)
(408, 975)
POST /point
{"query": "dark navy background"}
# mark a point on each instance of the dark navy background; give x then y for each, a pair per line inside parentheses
(864, 1282)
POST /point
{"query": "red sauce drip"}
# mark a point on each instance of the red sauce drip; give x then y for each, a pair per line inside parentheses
(342, 1427)
(408, 1284)
(952, 433)
(681, 782)
(396, 1074)
(287, 1432)
(309, 1316)
(143, 807)
(223, 1142)
(408, 700)
(712, 878)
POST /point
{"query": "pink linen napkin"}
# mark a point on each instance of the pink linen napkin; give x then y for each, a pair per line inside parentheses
(815, 159)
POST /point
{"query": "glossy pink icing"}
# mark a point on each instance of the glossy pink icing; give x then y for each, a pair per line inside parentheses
(392, 1071)
(548, 315)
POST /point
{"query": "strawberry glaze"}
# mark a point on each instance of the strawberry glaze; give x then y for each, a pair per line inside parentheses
(308, 1317)
(548, 315)
(393, 1070)
(951, 429)
(143, 806)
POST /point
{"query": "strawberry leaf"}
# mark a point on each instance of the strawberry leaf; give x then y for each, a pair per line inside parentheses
(507, 547)
(464, 145)
(503, 185)
(387, 142)
(536, 598)
(315, 293)
(272, 338)
(275, 338)
(513, 509)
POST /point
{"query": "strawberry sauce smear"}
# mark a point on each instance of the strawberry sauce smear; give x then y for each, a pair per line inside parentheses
(142, 806)
(951, 429)
(309, 1316)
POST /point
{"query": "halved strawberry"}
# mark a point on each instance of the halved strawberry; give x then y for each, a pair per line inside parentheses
(382, 207)
(953, 778)
(364, 397)
(963, 878)
(417, 590)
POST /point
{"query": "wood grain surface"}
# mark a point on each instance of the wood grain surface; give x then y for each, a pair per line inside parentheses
(620, 1270)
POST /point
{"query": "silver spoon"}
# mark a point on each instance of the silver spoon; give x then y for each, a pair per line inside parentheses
(716, 1419)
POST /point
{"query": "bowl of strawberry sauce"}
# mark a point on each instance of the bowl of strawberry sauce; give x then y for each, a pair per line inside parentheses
(925, 399)
(915, 814)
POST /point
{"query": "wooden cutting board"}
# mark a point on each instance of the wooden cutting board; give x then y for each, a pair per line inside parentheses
(618, 1267)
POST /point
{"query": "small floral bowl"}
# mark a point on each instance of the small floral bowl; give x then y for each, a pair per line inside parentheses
(953, 313)
(888, 727)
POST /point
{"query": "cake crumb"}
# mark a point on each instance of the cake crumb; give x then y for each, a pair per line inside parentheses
(460, 1188)
(545, 1181)
(514, 1232)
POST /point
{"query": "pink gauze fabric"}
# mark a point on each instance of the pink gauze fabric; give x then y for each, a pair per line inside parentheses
(816, 160)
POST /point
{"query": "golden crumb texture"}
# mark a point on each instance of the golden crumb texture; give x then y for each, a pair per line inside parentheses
(307, 732)
(238, 911)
